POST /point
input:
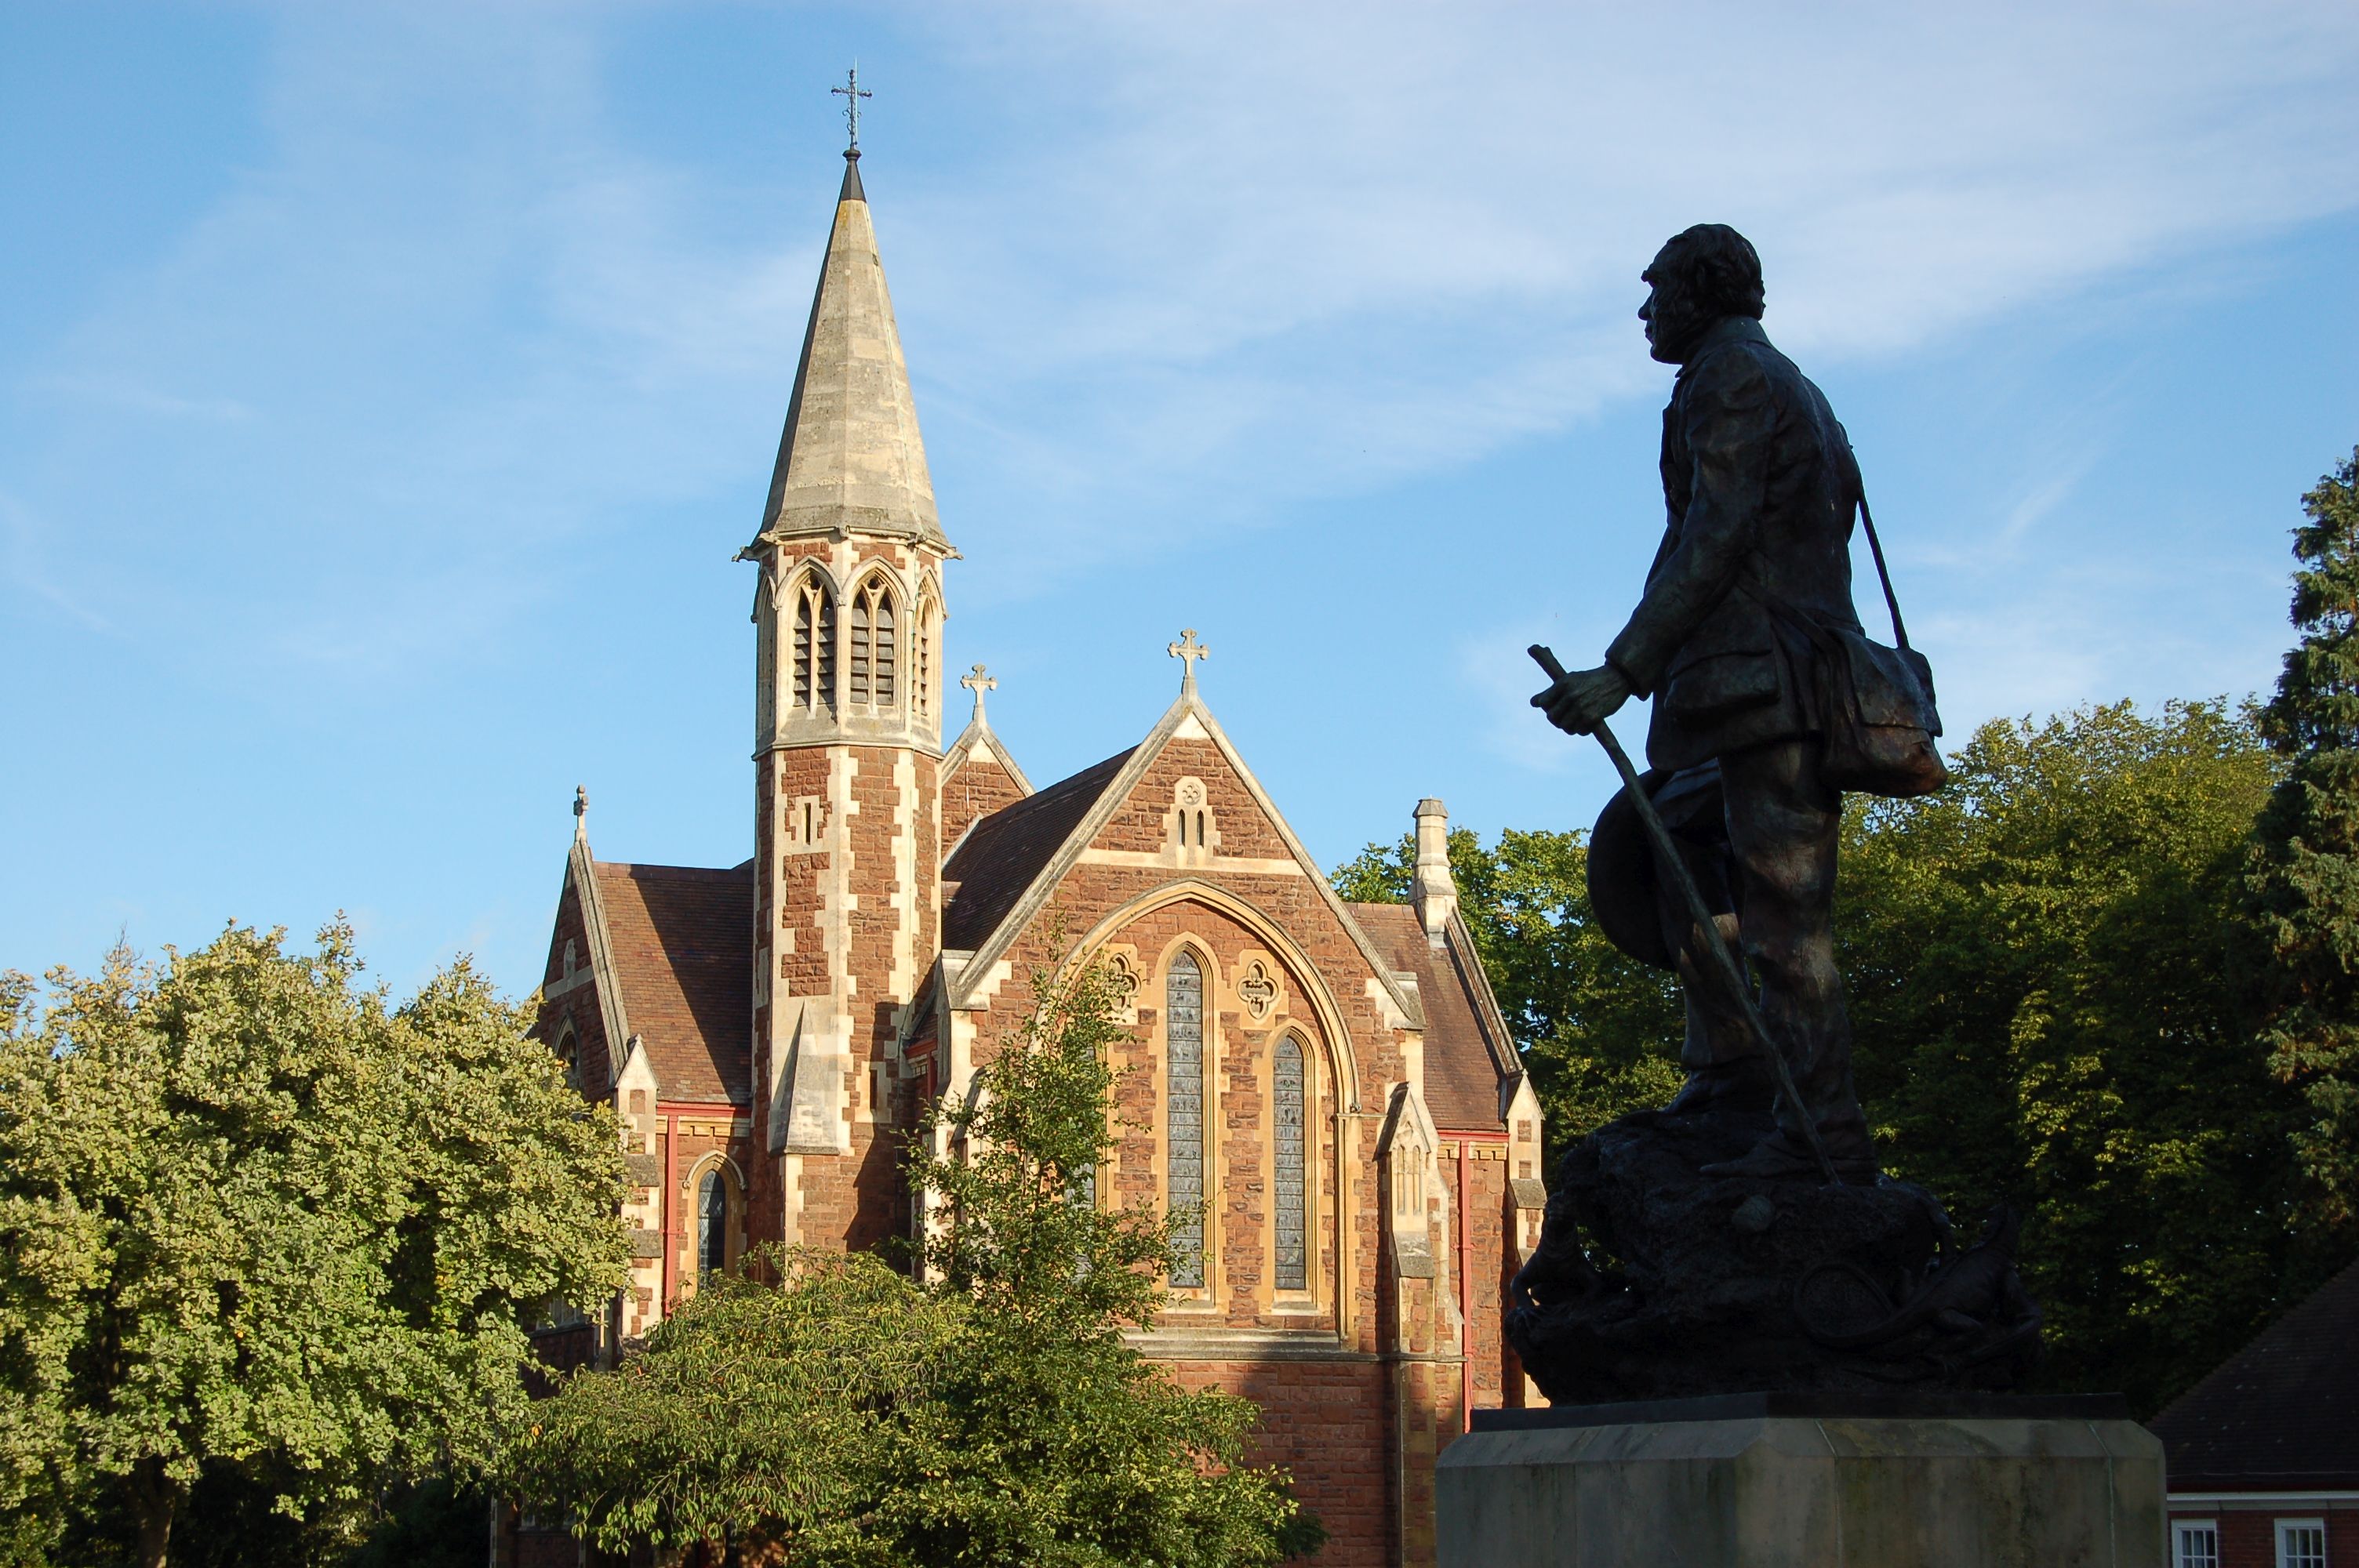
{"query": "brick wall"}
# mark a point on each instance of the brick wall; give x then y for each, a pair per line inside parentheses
(978, 787)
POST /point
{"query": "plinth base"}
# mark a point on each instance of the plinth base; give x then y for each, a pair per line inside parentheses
(1769, 1481)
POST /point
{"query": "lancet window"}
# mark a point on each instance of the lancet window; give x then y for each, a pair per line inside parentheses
(814, 610)
(1292, 1173)
(712, 1225)
(921, 652)
(873, 647)
(1183, 1000)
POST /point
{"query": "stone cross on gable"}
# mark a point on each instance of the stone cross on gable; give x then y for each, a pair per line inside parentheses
(1187, 650)
(852, 93)
(979, 683)
(580, 811)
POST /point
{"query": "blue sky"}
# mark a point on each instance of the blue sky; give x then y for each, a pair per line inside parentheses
(385, 389)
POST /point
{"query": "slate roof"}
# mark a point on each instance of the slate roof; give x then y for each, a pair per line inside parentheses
(683, 937)
(1006, 851)
(2276, 1416)
(1465, 1054)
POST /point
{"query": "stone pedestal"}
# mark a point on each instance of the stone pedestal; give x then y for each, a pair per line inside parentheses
(1805, 1481)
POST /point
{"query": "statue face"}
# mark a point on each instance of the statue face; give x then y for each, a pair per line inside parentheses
(1674, 319)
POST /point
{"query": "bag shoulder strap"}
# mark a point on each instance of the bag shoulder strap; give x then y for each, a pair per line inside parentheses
(1876, 548)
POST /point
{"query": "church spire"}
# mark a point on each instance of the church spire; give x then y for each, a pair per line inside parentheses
(851, 460)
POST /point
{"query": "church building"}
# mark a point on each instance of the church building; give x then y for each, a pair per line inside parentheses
(1331, 1084)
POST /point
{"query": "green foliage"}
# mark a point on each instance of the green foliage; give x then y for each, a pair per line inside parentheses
(842, 1414)
(258, 1226)
(1599, 1030)
(2051, 990)
(2305, 872)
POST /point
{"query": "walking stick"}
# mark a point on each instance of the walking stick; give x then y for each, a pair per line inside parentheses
(1667, 856)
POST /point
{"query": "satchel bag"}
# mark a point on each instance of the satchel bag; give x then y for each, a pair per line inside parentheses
(1875, 704)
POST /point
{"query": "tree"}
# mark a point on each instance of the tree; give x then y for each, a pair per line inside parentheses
(2052, 985)
(1598, 1031)
(841, 1413)
(259, 1225)
(2051, 988)
(2305, 872)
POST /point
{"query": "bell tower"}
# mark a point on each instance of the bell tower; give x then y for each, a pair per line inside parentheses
(847, 746)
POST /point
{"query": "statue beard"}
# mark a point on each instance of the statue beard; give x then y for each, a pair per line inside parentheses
(1678, 324)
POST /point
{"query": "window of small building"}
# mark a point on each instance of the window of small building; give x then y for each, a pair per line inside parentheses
(1183, 1001)
(2195, 1543)
(2302, 1543)
(1292, 1172)
(712, 1225)
(814, 608)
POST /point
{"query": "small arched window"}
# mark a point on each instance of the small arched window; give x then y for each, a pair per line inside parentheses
(712, 1225)
(1183, 1000)
(814, 610)
(1292, 1172)
(873, 649)
(568, 1044)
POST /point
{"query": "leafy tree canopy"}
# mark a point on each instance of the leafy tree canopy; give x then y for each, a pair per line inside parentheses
(2305, 872)
(260, 1226)
(839, 1413)
(2052, 988)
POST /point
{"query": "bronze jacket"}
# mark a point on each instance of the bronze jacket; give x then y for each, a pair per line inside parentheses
(1760, 486)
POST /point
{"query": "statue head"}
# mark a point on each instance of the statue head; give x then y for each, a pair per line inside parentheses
(1700, 276)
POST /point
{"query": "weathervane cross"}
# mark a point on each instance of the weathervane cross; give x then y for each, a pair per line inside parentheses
(853, 93)
(1188, 651)
(979, 683)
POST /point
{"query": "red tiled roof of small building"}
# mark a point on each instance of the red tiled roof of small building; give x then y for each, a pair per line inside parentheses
(683, 937)
(2276, 1416)
(1465, 1063)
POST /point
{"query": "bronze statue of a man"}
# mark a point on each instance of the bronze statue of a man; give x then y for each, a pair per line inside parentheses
(1761, 487)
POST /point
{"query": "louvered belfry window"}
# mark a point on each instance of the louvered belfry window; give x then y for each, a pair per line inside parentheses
(921, 646)
(1293, 1170)
(814, 646)
(872, 644)
(1183, 999)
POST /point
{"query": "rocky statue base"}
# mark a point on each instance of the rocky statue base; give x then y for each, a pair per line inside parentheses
(1683, 1284)
(1800, 1481)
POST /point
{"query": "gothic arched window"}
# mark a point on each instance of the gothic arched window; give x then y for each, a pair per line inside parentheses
(712, 1224)
(1293, 1170)
(873, 651)
(1184, 1034)
(921, 652)
(814, 645)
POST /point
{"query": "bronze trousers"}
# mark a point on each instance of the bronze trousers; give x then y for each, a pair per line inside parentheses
(1758, 831)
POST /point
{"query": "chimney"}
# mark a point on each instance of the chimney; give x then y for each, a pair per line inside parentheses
(1433, 893)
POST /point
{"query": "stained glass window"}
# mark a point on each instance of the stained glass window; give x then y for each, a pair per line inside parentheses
(1293, 1197)
(712, 1225)
(1183, 999)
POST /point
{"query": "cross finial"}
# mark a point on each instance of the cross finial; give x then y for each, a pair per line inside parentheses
(979, 683)
(853, 93)
(1188, 651)
(581, 812)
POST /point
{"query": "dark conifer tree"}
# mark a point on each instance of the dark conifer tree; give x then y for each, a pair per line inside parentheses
(2305, 877)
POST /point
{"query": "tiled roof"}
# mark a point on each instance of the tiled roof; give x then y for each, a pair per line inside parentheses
(2276, 1416)
(1463, 1064)
(683, 939)
(1005, 851)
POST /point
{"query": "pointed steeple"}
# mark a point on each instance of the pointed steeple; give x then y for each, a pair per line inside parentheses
(851, 460)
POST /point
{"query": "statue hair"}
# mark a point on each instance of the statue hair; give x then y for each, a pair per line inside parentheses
(1720, 269)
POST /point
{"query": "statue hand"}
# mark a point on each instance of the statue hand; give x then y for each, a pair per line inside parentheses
(1584, 699)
